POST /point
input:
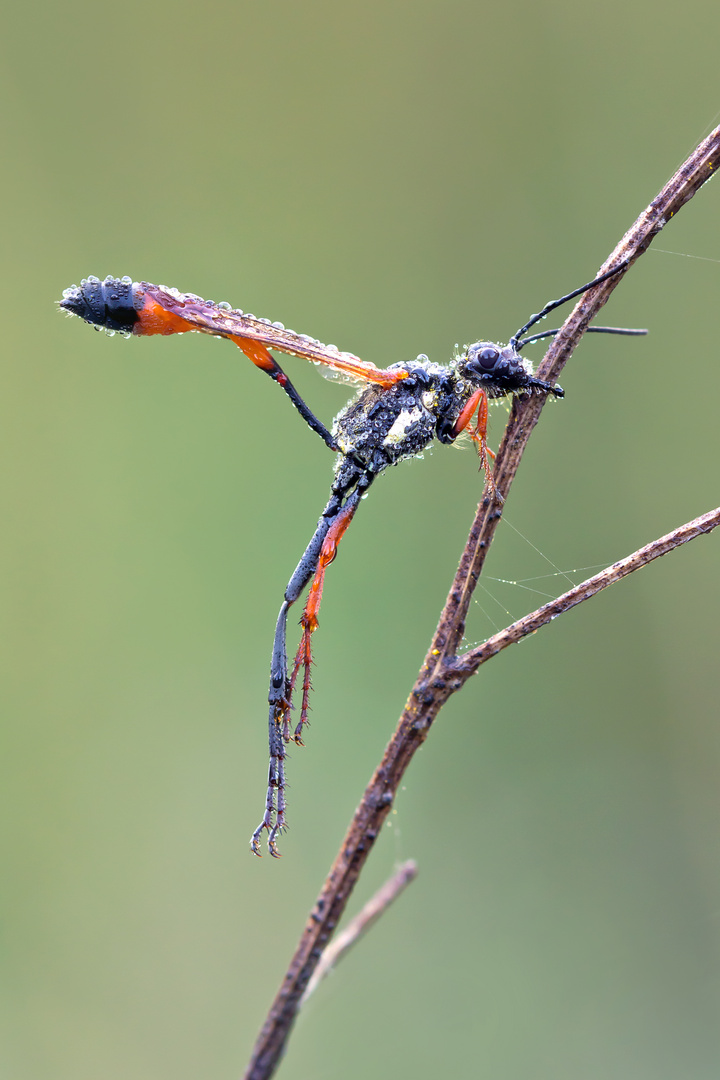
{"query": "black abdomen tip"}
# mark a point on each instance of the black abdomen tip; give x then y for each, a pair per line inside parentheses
(112, 303)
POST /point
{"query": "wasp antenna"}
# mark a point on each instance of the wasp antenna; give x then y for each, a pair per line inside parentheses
(623, 331)
(564, 299)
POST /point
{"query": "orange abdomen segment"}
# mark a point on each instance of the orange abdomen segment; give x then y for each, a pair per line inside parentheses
(153, 318)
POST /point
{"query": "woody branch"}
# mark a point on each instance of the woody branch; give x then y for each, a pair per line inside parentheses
(443, 672)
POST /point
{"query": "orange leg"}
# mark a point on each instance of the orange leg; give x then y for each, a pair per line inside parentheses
(309, 619)
(478, 433)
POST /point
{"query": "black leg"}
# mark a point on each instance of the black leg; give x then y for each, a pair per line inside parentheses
(348, 489)
(309, 417)
(256, 351)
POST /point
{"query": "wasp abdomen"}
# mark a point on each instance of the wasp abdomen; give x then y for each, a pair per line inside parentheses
(112, 304)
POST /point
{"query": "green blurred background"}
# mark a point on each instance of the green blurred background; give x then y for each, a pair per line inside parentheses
(394, 178)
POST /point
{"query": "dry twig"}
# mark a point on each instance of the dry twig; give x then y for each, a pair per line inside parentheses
(443, 672)
(376, 906)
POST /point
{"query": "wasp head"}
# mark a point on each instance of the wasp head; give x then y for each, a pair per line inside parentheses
(500, 370)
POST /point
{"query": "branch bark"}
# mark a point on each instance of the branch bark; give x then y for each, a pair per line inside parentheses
(444, 672)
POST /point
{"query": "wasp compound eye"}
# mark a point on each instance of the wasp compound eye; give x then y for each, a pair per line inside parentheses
(487, 358)
(483, 359)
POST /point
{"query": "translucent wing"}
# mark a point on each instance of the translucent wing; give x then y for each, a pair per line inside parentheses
(167, 311)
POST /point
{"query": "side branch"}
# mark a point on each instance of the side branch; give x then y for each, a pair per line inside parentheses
(443, 672)
(469, 662)
(376, 906)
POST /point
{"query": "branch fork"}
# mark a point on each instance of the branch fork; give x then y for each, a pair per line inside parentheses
(443, 671)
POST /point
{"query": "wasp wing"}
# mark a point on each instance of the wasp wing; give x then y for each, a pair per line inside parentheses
(210, 318)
